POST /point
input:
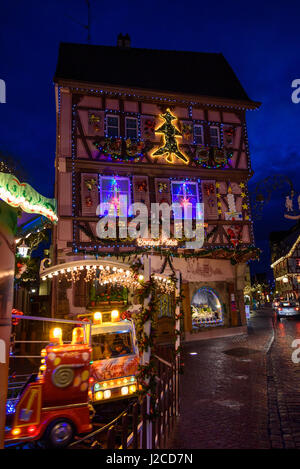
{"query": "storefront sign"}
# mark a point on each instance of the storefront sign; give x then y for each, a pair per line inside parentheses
(157, 242)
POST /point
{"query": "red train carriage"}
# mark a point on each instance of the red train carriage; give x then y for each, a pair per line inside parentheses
(54, 404)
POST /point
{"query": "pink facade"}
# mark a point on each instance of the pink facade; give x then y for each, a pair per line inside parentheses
(109, 131)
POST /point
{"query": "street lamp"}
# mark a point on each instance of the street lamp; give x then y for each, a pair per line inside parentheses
(23, 250)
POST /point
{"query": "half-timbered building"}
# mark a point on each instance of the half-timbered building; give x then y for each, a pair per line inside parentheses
(285, 256)
(111, 103)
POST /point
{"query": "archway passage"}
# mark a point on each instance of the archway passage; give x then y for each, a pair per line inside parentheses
(206, 308)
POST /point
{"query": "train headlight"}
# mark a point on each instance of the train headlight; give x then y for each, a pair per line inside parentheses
(115, 315)
(16, 431)
(124, 390)
(107, 394)
(132, 388)
(99, 395)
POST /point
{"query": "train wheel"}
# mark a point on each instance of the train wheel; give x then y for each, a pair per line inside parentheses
(59, 434)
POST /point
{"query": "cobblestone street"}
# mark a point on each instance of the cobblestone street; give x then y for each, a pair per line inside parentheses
(242, 392)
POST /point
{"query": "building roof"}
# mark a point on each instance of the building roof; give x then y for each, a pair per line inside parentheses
(193, 73)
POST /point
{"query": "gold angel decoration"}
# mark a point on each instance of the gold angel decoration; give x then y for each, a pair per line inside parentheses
(171, 133)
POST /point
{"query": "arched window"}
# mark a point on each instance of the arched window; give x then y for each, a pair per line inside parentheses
(206, 308)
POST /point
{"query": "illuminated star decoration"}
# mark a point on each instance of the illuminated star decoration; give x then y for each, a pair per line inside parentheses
(171, 133)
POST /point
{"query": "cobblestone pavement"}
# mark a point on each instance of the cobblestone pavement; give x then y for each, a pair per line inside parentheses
(229, 394)
(284, 386)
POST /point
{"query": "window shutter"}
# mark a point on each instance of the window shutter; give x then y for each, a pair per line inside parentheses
(148, 127)
(163, 190)
(96, 122)
(89, 194)
(209, 199)
(141, 190)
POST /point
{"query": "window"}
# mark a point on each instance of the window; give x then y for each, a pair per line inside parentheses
(184, 192)
(131, 124)
(112, 126)
(110, 190)
(206, 308)
(198, 135)
(165, 308)
(111, 345)
(214, 136)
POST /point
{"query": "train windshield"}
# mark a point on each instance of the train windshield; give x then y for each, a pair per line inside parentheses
(111, 345)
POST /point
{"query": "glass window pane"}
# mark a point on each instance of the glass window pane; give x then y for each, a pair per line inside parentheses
(112, 121)
(214, 136)
(131, 133)
(113, 132)
(131, 123)
(131, 128)
(112, 126)
(198, 135)
(190, 189)
(206, 308)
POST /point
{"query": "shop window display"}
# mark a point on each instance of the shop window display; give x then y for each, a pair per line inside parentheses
(206, 309)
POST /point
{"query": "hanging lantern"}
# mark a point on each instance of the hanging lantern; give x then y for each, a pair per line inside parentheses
(23, 250)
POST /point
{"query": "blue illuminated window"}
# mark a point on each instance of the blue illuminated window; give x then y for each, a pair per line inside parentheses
(110, 190)
(184, 192)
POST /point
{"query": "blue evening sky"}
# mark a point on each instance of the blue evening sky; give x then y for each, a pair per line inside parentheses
(260, 40)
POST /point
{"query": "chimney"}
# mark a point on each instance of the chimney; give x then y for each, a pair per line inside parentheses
(123, 41)
(126, 40)
(120, 40)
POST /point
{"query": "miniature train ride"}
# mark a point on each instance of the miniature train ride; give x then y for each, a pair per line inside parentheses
(97, 367)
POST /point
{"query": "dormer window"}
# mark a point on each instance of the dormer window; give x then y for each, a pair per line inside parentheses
(131, 126)
(214, 134)
(113, 126)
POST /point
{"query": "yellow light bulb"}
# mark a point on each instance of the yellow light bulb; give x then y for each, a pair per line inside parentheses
(16, 431)
(98, 317)
(114, 315)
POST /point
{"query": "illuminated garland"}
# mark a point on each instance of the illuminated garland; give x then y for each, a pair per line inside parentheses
(209, 157)
(118, 151)
(22, 195)
(147, 373)
(236, 254)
